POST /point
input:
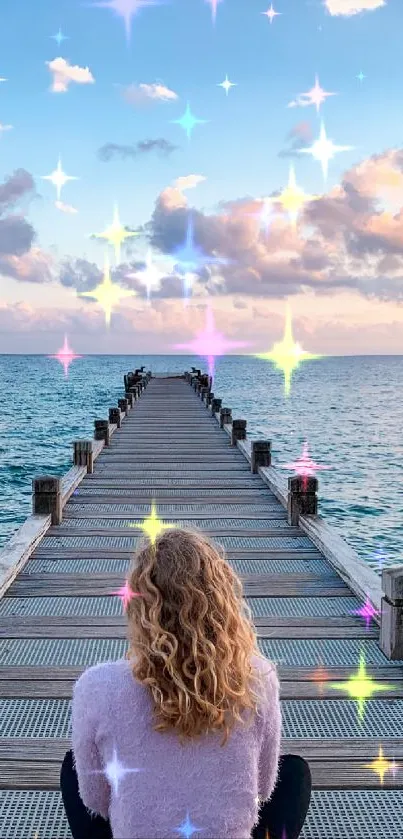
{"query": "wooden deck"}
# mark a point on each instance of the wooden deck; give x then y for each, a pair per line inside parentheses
(57, 617)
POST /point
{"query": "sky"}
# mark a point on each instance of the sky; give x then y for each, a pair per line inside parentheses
(105, 98)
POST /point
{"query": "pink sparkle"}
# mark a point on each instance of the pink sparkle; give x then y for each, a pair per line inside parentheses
(214, 5)
(271, 13)
(126, 595)
(394, 768)
(305, 467)
(126, 9)
(65, 355)
(367, 611)
(210, 343)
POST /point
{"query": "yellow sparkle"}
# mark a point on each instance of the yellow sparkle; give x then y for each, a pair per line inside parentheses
(381, 765)
(361, 687)
(152, 525)
(107, 293)
(292, 198)
(116, 234)
(287, 355)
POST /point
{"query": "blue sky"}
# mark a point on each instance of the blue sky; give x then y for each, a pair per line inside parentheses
(237, 151)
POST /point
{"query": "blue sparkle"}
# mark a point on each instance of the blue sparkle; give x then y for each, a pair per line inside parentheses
(59, 37)
(190, 258)
(188, 121)
(187, 829)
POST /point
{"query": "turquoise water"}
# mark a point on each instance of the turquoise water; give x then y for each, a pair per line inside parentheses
(349, 409)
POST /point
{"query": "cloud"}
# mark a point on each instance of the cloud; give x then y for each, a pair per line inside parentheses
(111, 151)
(34, 266)
(298, 138)
(65, 208)
(352, 7)
(188, 182)
(141, 94)
(5, 128)
(19, 257)
(64, 74)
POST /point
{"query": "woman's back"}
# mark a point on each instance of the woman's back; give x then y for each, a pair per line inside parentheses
(149, 783)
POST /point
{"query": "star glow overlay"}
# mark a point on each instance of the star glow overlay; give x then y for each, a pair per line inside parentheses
(271, 13)
(361, 687)
(292, 198)
(189, 259)
(187, 829)
(324, 150)
(287, 355)
(367, 611)
(65, 356)
(59, 178)
(150, 275)
(210, 344)
(381, 766)
(214, 6)
(305, 467)
(116, 234)
(315, 96)
(226, 84)
(115, 772)
(152, 525)
(126, 594)
(107, 293)
(126, 10)
(188, 121)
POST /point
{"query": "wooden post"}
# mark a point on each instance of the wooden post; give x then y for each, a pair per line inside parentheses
(216, 405)
(260, 454)
(84, 454)
(302, 498)
(124, 406)
(102, 431)
(130, 398)
(209, 398)
(126, 381)
(115, 417)
(238, 431)
(210, 382)
(225, 416)
(134, 390)
(203, 393)
(391, 637)
(47, 497)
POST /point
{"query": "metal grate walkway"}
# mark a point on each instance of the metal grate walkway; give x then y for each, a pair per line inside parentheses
(58, 617)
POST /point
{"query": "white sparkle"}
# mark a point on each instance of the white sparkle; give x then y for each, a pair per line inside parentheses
(226, 84)
(324, 150)
(59, 178)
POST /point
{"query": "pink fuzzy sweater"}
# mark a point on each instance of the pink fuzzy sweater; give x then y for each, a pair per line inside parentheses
(152, 787)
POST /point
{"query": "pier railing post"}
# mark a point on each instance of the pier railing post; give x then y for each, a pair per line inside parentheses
(124, 406)
(47, 497)
(391, 636)
(84, 454)
(216, 405)
(238, 431)
(114, 417)
(302, 498)
(260, 454)
(203, 393)
(225, 416)
(130, 398)
(102, 431)
(209, 398)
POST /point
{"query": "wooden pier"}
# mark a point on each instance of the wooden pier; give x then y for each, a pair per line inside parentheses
(171, 441)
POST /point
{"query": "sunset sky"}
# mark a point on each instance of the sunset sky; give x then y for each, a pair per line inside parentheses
(105, 101)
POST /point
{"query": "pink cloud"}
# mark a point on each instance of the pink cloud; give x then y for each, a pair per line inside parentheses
(64, 74)
(352, 7)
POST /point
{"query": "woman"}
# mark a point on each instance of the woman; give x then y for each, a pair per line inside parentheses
(182, 737)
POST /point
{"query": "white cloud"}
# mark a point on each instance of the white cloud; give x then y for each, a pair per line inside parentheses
(65, 208)
(143, 93)
(64, 74)
(352, 7)
(188, 182)
(5, 128)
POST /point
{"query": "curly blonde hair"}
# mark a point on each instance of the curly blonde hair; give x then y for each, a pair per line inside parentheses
(191, 636)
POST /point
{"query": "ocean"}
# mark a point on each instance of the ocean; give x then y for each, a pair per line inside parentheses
(349, 410)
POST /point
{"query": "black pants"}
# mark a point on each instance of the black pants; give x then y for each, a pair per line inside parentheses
(281, 817)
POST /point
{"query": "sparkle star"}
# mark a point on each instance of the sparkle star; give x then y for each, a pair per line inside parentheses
(126, 9)
(292, 198)
(189, 258)
(320, 676)
(305, 467)
(187, 829)
(59, 37)
(210, 343)
(360, 687)
(226, 84)
(188, 121)
(271, 14)
(152, 525)
(381, 765)
(287, 355)
(65, 355)
(126, 594)
(324, 150)
(214, 5)
(59, 178)
(150, 275)
(361, 76)
(115, 772)
(316, 96)
(107, 293)
(116, 234)
(367, 611)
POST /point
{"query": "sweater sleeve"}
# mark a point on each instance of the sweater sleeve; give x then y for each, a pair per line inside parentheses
(271, 737)
(93, 786)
